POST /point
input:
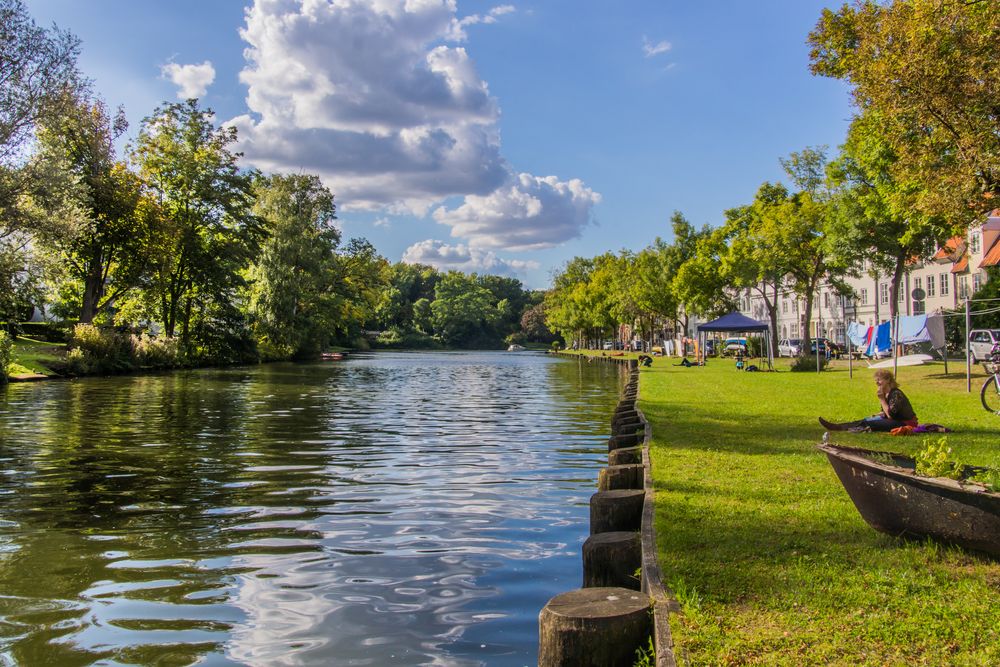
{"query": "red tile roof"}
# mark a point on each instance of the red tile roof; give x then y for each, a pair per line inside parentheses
(948, 250)
(962, 265)
(991, 258)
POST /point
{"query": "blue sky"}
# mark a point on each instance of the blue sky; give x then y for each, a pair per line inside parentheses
(498, 137)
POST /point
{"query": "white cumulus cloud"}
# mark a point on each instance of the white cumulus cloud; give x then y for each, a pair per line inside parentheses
(366, 95)
(463, 258)
(191, 80)
(379, 100)
(528, 213)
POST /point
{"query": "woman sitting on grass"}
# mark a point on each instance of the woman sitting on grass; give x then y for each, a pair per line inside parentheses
(896, 409)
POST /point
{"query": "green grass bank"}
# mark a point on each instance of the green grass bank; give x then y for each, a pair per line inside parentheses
(35, 357)
(765, 552)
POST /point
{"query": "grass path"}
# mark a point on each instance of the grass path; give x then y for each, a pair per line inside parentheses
(769, 558)
(34, 357)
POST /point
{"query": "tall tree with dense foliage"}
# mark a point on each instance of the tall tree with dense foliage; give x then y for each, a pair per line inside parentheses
(876, 221)
(104, 249)
(798, 226)
(700, 283)
(755, 258)
(36, 66)
(211, 232)
(463, 311)
(292, 307)
(928, 71)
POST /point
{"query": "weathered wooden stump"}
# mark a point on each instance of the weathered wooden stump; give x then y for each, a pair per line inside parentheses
(619, 510)
(620, 477)
(612, 559)
(626, 440)
(625, 456)
(628, 415)
(627, 425)
(593, 627)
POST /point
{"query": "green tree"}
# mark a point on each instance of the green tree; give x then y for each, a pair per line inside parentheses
(673, 256)
(36, 66)
(104, 251)
(292, 307)
(463, 311)
(798, 225)
(928, 71)
(210, 232)
(700, 283)
(533, 325)
(876, 221)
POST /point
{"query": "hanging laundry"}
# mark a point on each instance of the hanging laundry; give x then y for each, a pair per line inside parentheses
(935, 328)
(883, 337)
(857, 333)
(912, 329)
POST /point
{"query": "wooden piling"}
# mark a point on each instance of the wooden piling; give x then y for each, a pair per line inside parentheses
(593, 627)
(612, 559)
(620, 477)
(618, 510)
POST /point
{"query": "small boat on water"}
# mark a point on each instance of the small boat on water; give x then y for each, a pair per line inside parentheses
(332, 356)
(516, 348)
(893, 499)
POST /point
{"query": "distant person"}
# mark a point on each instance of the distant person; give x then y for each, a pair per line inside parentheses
(896, 409)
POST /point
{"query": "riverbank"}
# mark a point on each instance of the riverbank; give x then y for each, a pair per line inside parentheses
(765, 553)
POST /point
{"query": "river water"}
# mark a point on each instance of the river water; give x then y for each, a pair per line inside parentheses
(391, 509)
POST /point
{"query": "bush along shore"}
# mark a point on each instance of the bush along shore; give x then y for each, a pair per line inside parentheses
(619, 616)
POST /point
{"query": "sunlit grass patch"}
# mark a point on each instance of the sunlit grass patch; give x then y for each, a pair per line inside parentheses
(770, 560)
(35, 356)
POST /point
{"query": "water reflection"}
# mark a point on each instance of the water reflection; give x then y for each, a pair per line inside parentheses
(399, 509)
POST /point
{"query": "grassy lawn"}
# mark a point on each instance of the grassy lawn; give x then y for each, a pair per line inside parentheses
(759, 541)
(35, 356)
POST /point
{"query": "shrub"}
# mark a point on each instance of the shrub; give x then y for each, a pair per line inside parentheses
(156, 352)
(5, 350)
(103, 351)
(406, 340)
(807, 363)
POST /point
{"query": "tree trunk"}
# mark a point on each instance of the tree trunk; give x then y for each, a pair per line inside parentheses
(897, 276)
(93, 287)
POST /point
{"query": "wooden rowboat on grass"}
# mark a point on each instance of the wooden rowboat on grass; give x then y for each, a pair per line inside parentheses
(893, 499)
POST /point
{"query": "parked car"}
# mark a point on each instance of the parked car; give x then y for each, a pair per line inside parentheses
(981, 341)
(836, 349)
(789, 347)
(731, 345)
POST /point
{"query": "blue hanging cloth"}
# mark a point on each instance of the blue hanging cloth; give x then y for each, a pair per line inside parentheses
(883, 338)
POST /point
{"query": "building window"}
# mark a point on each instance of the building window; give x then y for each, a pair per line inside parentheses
(944, 283)
(883, 293)
(918, 283)
(864, 296)
(977, 282)
(963, 287)
(784, 306)
(826, 299)
(918, 308)
(974, 242)
(930, 286)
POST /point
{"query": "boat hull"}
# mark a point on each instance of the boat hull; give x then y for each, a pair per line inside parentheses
(894, 500)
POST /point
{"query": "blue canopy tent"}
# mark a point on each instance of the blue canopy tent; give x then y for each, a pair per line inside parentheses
(737, 323)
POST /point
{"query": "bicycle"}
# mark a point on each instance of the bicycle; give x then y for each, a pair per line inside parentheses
(990, 393)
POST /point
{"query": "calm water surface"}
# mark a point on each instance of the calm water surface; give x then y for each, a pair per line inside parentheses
(398, 509)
